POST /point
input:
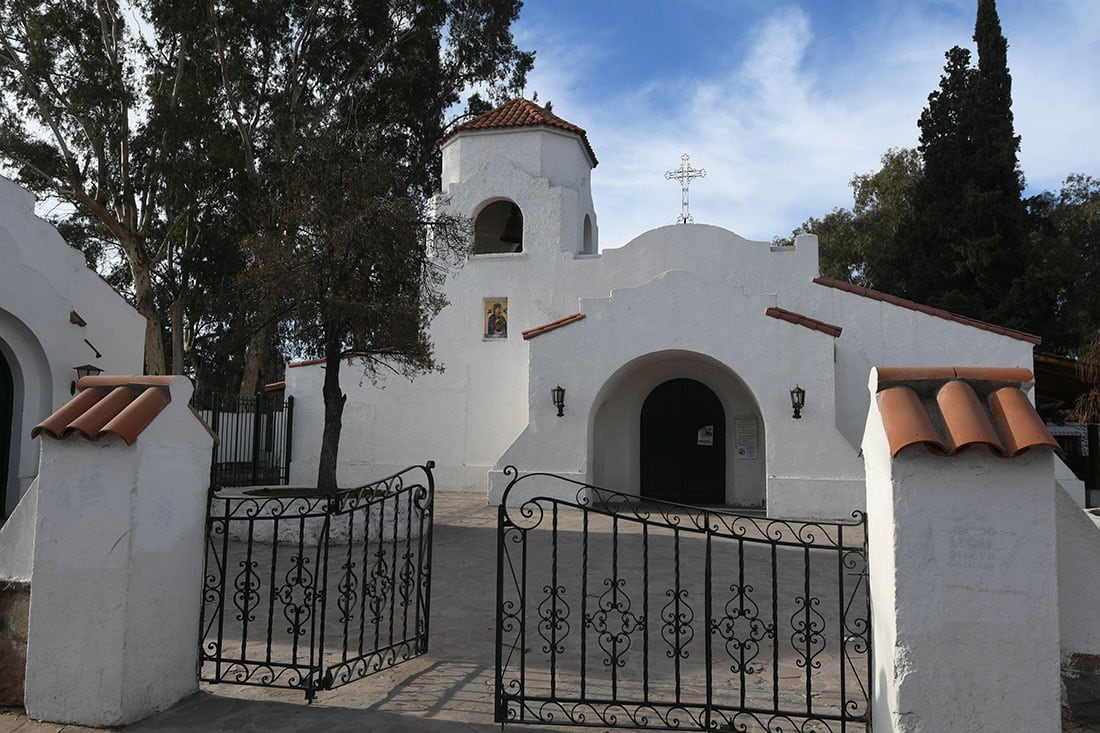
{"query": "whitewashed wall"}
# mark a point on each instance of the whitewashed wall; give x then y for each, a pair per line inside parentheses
(1078, 577)
(730, 345)
(964, 588)
(489, 407)
(42, 279)
(117, 576)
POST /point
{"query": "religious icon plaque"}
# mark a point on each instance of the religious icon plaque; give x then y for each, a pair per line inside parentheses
(494, 326)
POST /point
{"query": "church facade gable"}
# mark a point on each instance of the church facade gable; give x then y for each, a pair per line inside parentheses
(679, 326)
(55, 314)
(688, 325)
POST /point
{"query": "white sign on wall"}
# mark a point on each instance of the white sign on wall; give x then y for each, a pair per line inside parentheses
(745, 440)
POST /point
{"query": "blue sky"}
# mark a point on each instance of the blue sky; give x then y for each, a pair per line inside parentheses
(782, 103)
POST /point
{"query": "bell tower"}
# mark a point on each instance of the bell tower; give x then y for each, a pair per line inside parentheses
(522, 175)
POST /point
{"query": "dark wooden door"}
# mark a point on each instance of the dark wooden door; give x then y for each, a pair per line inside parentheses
(7, 415)
(683, 444)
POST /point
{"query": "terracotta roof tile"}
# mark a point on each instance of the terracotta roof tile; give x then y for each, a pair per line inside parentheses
(965, 420)
(553, 325)
(801, 320)
(521, 113)
(948, 409)
(91, 422)
(56, 425)
(1019, 424)
(937, 312)
(1014, 375)
(110, 405)
(906, 421)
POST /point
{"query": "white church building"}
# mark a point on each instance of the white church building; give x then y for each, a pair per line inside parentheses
(677, 352)
(56, 315)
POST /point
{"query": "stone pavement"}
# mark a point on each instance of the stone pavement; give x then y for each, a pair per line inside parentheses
(448, 689)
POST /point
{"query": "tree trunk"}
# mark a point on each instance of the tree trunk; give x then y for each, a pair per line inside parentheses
(176, 322)
(253, 361)
(334, 410)
(146, 306)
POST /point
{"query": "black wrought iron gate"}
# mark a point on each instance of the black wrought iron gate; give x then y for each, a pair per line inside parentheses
(615, 612)
(313, 591)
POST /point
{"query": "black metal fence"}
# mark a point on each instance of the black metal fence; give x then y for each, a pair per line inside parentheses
(313, 591)
(255, 434)
(616, 612)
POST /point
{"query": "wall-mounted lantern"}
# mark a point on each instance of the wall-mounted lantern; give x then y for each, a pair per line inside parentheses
(84, 370)
(798, 400)
(558, 394)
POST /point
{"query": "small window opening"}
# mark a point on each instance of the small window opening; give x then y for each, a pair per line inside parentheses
(586, 246)
(499, 229)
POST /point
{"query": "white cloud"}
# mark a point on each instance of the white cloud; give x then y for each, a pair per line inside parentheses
(782, 129)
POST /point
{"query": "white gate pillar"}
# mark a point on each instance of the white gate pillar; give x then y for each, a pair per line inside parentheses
(118, 555)
(961, 528)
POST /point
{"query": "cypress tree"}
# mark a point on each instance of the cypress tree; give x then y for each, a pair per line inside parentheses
(967, 247)
(996, 251)
(926, 268)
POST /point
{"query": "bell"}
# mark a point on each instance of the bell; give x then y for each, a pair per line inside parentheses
(513, 229)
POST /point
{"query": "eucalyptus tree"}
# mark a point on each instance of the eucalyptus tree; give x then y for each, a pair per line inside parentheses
(338, 106)
(100, 110)
(350, 266)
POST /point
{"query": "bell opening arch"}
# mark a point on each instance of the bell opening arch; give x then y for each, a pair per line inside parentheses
(498, 228)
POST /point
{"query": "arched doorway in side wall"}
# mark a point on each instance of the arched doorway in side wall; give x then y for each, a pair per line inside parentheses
(683, 444)
(7, 415)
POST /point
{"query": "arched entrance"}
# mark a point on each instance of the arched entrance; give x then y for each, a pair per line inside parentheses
(7, 416)
(683, 444)
(615, 427)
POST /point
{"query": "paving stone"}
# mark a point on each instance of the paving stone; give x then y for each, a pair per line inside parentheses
(448, 689)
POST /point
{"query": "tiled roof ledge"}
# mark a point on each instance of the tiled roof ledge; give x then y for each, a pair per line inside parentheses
(1018, 376)
(948, 409)
(179, 387)
(116, 405)
(921, 308)
(552, 326)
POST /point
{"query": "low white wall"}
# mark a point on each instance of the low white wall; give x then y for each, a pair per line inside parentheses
(1078, 577)
(17, 539)
(1069, 483)
(118, 557)
(964, 593)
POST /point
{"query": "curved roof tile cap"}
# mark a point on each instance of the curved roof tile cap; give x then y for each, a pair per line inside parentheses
(1020, 426)
(965, 420)
(952, 408)
(521, 113)
(109, 405)
(906, 421)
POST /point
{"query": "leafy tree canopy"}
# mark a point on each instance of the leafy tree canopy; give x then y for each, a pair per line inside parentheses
(158, 121)
(946, 224)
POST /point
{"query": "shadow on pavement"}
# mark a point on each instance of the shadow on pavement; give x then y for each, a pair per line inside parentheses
(208, 712)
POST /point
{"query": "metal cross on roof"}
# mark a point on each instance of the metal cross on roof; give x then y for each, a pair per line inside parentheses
(684, 175)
